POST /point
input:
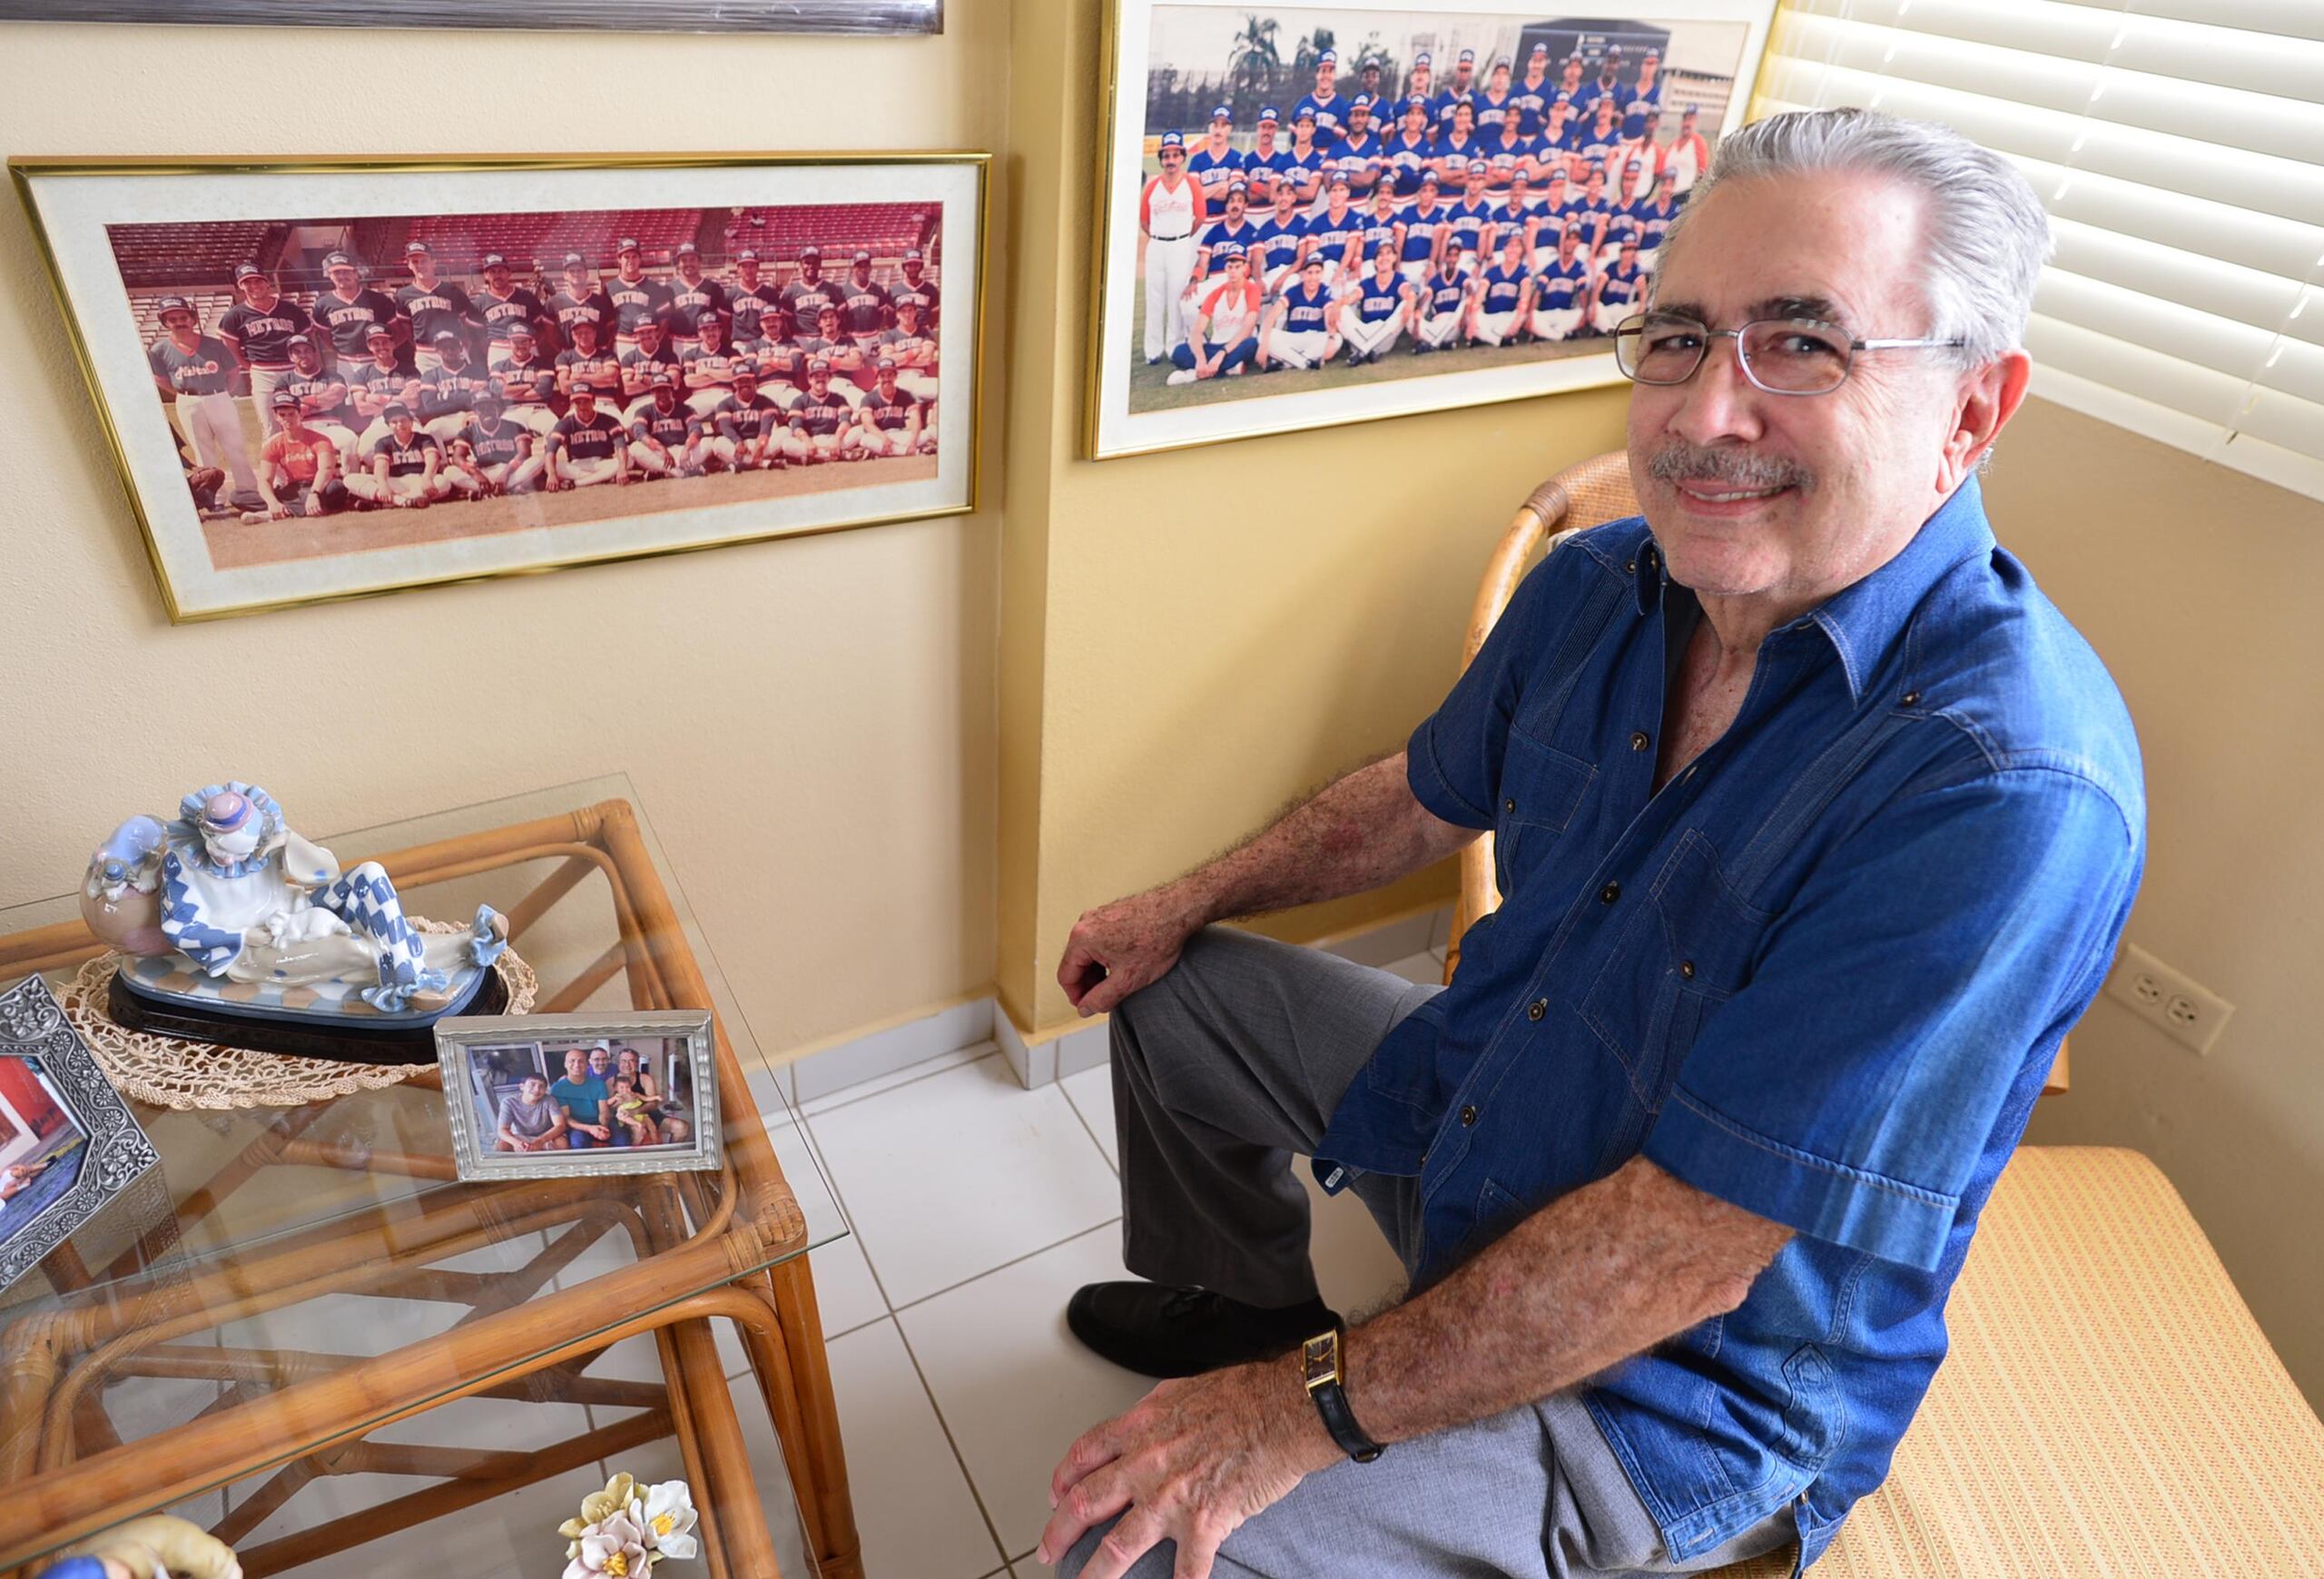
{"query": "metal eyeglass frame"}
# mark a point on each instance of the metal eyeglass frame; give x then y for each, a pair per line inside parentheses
(1631, 328)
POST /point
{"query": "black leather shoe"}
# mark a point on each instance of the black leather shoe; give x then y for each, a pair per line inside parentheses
(1157, 1330)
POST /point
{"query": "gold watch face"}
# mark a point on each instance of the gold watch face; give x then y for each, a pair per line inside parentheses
(1320, 1357)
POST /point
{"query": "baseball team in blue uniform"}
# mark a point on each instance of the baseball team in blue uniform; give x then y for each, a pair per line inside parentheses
(378, 396)
(1497, 212)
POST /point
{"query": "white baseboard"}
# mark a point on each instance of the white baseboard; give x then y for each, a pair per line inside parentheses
(1039, 1060)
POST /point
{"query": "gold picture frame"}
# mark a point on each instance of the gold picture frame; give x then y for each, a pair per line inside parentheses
(79, 207)
(1115, 424)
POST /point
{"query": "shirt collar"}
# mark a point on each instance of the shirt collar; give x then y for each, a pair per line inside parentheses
(1865, 618)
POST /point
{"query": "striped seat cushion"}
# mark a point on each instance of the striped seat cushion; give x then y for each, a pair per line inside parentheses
(2109, 1407)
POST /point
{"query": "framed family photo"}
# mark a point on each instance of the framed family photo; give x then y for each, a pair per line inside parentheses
(1327, 214)
(622, 15)
(69, 1146)
(538, 1096)
(328, 378)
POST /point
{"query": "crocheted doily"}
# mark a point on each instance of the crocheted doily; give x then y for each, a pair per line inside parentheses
(168, 1071)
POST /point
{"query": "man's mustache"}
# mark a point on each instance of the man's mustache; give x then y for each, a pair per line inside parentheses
(1679, 461)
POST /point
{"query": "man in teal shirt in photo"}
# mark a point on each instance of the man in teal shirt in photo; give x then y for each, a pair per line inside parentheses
(582, 1094)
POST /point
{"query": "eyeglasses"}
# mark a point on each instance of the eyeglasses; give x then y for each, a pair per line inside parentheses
(1783, 356)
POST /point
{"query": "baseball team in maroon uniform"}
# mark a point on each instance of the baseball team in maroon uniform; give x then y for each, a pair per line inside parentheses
(391, 385)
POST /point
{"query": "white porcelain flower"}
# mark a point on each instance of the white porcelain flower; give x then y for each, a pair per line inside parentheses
(612, 1548)
(669, 1520)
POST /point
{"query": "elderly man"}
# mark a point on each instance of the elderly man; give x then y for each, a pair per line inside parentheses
(1817, 825)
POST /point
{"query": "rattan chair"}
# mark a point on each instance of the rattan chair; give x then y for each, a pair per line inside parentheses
(2109, 1406)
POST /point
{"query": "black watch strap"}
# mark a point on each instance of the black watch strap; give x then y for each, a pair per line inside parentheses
(1320, 1367)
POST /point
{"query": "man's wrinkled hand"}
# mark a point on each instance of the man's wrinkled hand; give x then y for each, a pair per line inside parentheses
(1117, 949)
(1189, 1462)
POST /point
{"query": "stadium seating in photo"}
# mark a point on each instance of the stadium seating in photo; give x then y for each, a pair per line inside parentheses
(234, 545)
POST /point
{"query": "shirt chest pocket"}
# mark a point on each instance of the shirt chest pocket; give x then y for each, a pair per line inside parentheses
(1686, 947)
(1540, 787)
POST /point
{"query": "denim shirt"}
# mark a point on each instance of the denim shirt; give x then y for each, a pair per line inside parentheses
(1820, 975)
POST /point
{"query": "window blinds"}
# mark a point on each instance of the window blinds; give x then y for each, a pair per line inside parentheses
(2179, 145)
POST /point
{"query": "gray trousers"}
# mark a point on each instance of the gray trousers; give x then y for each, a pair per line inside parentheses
(1226, 1071)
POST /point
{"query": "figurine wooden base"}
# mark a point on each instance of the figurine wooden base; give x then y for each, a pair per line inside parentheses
(348, 1044)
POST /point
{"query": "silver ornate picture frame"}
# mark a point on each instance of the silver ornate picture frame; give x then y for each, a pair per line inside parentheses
(69, 1146)
(487, 1061)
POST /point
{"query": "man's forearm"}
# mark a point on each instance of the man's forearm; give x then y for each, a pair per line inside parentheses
(1593, 1278)
(1362, 832)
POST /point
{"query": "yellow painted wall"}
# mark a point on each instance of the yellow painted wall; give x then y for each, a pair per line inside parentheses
(2198, 586)
(1191, 639)
(809, 724)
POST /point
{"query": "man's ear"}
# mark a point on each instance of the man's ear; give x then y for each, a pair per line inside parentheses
(1988, 398)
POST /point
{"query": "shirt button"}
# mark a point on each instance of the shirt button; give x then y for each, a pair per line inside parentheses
(1536, 1008)
(1686, 968)
(1510, 804)
(1630, 567)
(1468, 1117)
(1610, 892)
(1638, 740)
(1909, 698)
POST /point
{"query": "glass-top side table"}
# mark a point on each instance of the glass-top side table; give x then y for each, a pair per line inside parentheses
(346, 1213)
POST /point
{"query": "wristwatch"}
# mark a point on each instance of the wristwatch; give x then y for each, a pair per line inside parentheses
(1319, 1360)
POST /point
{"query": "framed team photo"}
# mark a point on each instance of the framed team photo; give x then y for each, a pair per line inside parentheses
(1317, 214)
(626, 15)
(332, 378)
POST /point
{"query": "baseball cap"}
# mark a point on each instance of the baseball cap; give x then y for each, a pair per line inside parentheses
(379, 330)
(1468, 57)
(685, 247)
(664, 382)
(746, 369)
(1361, 102)
(574, 260)
(495, 261)
(1338, 181)
(862, 256)
(248, 272)
(1416, 102)
(1269, 116)
(915, 256)
(445, 337)
(493, 392)
(1478, 167)
(626, 244)
(1329, 57)
(1651, 55)
(1637, 165)
(1541, 50)
(172, 304)
(338, 261)
(815, 252)
(1306, 113)
(398, 408)
(1421, 59)
(414, 248)
(285, 398)
(1173, 140)
(1315, 260)
(1429, 178)
(1691, 109)
(1237, 185)
(1501, 62)
(1230, 250)
(1562, 97)
(1557, 173)
(747, 255)
(581, 390)
(887, 364)
(520, 328)
(818, 365)
(1222, 113)
(299, 340)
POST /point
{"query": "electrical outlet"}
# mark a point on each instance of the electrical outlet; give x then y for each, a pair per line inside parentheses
(2173, 1003)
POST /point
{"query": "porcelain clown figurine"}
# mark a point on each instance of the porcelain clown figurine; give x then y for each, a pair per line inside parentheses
(267, 919)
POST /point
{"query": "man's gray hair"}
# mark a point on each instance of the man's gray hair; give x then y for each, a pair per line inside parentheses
(1985, 235)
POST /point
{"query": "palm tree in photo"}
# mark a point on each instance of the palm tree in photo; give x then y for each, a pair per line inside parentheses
(1252, 58)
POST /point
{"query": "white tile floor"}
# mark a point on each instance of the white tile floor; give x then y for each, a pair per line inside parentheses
(976, 1207)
